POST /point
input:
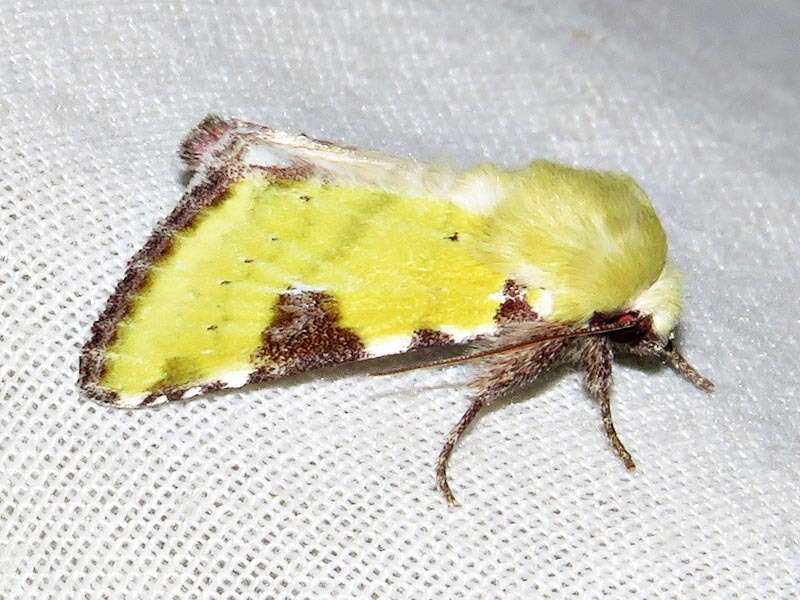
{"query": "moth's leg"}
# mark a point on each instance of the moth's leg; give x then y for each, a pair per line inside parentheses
(668, 354)
(452, 440)
(597, 359)
(501, 374)
(683, 368)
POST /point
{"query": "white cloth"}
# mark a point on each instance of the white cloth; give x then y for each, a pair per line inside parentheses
(323, 486)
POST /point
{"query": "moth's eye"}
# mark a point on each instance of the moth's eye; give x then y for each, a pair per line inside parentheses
(632, 336)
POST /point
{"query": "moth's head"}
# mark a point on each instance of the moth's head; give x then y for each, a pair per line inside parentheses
(651, 317)
(660, 304)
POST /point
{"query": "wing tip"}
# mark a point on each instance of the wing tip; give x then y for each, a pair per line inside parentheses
(204, 140)
(216, 139)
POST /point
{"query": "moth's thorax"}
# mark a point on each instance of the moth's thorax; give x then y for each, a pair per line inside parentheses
(583, 241)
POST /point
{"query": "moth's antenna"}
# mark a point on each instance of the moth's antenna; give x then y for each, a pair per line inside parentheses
(575, 333)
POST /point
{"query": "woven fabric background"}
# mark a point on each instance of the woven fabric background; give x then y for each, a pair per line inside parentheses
(322, 487)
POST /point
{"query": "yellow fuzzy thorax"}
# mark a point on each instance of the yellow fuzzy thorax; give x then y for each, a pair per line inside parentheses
(592, 239)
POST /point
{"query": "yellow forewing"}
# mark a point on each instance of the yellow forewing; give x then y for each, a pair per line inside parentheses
(387, 259)
(397, 247)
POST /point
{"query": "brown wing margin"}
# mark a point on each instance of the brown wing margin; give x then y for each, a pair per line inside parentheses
(214, 151)
(93, 356)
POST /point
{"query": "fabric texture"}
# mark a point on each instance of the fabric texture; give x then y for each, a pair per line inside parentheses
(322, 486)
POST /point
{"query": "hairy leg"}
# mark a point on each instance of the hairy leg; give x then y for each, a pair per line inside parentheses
(669, 355)
(501, 374)
(676, 360)
(452, 440)
(597, 358)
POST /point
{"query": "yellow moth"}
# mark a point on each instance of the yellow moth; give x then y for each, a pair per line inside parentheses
(289, 253)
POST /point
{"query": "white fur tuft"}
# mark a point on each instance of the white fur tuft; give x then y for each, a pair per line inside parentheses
(662, 301)
(478, 193)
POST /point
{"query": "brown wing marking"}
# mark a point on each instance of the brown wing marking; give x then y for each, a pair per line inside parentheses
(515, 306)
(304, 334)
(430, 338)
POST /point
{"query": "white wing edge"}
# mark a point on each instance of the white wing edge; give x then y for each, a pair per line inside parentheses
(235, 144)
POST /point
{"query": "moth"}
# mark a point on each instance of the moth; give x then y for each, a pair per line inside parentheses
(289, 253)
